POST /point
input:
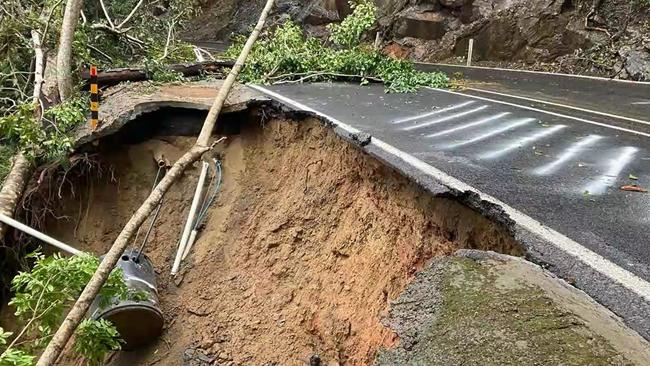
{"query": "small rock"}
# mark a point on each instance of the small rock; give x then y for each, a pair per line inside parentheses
(196, 357)
(314, 361)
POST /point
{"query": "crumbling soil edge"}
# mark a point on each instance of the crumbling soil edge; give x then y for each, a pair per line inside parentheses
(627, 304)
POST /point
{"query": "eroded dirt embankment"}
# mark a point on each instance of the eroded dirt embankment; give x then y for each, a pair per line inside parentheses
(309, 241)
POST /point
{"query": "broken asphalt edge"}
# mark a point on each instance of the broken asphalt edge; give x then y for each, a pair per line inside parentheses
(629, 305)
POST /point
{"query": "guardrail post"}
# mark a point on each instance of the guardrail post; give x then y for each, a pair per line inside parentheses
(470, 52)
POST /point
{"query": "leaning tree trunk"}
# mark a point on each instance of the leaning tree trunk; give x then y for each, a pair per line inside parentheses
(202, 145)
(16, 181)
(64, 56)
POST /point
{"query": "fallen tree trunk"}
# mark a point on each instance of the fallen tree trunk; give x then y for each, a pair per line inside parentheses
(116, 76)
(80, 308)
(13, 187)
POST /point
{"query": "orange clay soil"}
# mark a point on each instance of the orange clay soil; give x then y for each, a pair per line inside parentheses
(309, 241)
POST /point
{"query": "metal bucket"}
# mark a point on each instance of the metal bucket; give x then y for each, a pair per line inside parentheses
(137, 322)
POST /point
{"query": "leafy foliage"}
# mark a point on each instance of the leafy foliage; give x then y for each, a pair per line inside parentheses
(348, 33)
(51, 141)
(54, 283)
(6, 153)
(41, 296)
(158, 73)
(150, 24)
(13, 357)
(95, 338)
(288, 56)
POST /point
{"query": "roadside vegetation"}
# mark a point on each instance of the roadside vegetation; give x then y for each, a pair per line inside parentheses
(287, 56)
(110, 34)
(40, 298)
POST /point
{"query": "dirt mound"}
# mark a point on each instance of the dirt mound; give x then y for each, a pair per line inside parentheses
(308, 243)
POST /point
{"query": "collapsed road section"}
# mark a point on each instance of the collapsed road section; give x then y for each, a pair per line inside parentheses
(317, 252)
(555, 178)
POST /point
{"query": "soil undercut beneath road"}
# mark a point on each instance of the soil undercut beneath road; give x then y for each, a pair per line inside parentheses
(309, 241)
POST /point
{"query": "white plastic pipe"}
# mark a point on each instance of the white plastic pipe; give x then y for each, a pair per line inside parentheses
(38, 235)
(190, 243)
(190, 219)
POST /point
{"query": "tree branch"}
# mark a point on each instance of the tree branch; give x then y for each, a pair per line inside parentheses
(121, 33)
(108, 17)
(169, 39)
(64, 56)
(126, 20)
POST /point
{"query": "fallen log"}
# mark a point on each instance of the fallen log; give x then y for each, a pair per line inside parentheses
(116, 76)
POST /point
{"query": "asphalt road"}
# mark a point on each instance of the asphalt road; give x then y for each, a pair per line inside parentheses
(618, 97)
(562, 172)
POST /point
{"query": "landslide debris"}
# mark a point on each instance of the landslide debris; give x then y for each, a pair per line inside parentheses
(309, 241)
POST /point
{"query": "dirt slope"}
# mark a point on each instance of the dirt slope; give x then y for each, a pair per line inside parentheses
(308, 243)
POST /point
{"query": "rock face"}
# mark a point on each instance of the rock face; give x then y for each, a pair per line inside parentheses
(528, 31)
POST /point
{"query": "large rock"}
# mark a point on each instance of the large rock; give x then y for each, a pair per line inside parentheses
(637, 65)
(481, 308)
(428, 25)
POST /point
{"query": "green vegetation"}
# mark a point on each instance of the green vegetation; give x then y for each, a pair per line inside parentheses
(129, 32)
(45, 140)
(95, 338)
(6, 153)
(41, 297)
(288, 56)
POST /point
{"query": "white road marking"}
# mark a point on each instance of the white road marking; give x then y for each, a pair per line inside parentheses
(539, 72)
(614, 168)
(444, 119)
(567, 155)
(641, 103)
(545, 112)
(443, 110)
(522, 143)
(469, 125)
(609, 115)
(487, 135)
(598, 263)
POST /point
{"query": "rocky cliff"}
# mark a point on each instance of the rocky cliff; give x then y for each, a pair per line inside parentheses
(603, 37)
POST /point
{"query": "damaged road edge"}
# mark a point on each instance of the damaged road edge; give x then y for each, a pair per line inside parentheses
(618, 289)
